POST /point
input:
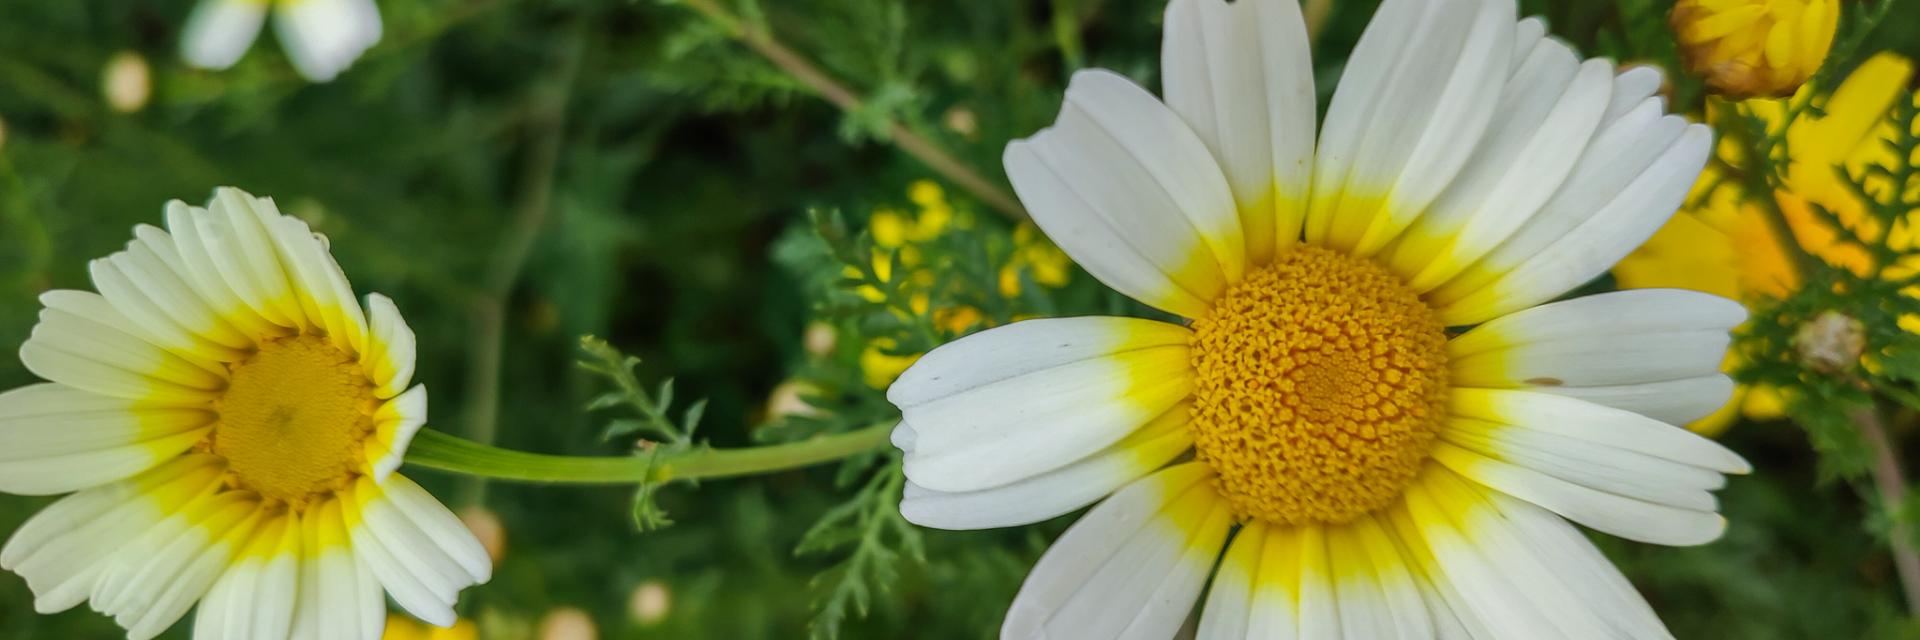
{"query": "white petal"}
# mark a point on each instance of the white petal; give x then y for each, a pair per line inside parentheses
(1571, 556)
(1055, 492)
(218, 32)
(1131, 568)
(1629, 518)
(1241, 76)
(234, 230)
(1127, 190)
(441, 526)
(1622, 337)
(324, 37)
(1527, 34)
(1016, 401)
(395, 424)
(82, 342)
(1632, 87)
(330, 603)
(206, 263)
(1549, 111)
(413, 581)
(389, 358)
(65, 550)
(1378, 597)
(1417, 94)
(1638, 170)
(322, 287)
(254, 598)
(62, 439)
(154, 264)
(1228, 613)
(193, 578)
(150, 582)
(1552, 574)
(1677, 402)
(1596, 466)
(146, 316)
(1501, 590)
(1594, 423)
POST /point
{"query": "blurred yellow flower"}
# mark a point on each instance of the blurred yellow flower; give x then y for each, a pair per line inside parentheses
(879, 365)
(1750, 48)
(401, 627)
(900, 237)
(1724, 245)
(1033, 253)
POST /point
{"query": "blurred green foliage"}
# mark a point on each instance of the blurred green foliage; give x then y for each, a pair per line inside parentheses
(674, 192)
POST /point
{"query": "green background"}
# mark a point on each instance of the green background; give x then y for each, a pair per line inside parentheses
(651, 167)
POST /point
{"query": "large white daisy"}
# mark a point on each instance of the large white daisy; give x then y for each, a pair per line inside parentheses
(231, 420)
(321, 37)
(1362, 464)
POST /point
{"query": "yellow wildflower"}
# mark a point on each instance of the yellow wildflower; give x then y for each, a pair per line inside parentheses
(401, 627)
(1750, 48)
(879, 365)
(900, 239)
(1724, 245)
(1035, 254)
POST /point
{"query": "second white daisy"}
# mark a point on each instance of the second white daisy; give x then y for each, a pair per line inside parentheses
(321, 37)
(1359, 469)
(231, 419)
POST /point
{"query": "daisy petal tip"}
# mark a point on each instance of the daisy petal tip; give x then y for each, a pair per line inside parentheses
(903, 437)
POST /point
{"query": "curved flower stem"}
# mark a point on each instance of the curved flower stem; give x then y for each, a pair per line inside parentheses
(764, 43)
(439, 450)
(1891, 482)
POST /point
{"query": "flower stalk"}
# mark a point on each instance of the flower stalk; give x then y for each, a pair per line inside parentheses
(445, 452)
(763, 42)
(1891, 483)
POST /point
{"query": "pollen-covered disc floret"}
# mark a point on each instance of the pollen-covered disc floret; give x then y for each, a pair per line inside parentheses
(294, 420)
(1320, 383)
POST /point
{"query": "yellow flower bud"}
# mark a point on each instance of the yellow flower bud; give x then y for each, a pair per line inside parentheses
(1754, 48)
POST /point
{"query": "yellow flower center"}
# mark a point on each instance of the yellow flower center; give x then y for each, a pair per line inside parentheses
(293, 420)
(1321, 384)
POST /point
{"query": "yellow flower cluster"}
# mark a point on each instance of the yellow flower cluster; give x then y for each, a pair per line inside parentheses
(1753, 48)
(906, 235)
(1723, 243)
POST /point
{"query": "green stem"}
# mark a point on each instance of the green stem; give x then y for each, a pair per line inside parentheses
(439, 450)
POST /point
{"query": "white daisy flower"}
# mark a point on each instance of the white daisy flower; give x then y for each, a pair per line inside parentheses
(321, 37)
(1358, 469)
(230, 418)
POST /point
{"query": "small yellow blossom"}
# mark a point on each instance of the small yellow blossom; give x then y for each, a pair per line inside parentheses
(1723, 244)
(879, 365)
(1035, 254)
(401, 627)
(1752, 48)
(900, 241)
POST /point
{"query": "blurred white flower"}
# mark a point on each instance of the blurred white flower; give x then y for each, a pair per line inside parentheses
(650, 603)
(126, 82)
(321, 37)
(568, 623)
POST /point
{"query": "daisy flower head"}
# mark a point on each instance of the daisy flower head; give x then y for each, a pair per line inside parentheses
(321, 37)
(228, 419)
(1721, 241)
(1373, 420)
(1754, 48)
